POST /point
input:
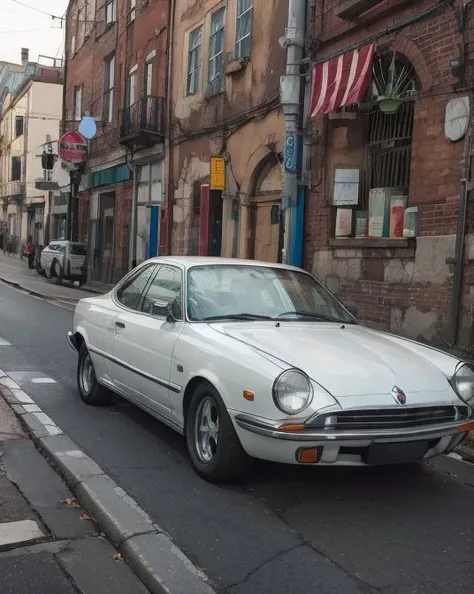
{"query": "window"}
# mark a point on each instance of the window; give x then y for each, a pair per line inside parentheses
(77, 103)
(132, 88)
(16, 168)
(243, 39)
(133, 11)
(109, 75)
(110, 12)
(216, 52)
(130, 293)
(166, 286)
(19, 126)
(90, 15)
(81, 27)
(194, 61)
(148, 78)
(73, 44)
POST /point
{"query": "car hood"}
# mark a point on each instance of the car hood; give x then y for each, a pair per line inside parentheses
(346, 360)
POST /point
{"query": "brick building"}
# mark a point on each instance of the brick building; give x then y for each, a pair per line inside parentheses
(416, 150)
(116, 68)
(225, 96)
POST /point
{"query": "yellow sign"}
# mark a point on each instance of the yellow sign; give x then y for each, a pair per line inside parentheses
(217, 173)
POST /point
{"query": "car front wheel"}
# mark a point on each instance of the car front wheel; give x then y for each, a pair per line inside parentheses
(90, 390)
(214, 447)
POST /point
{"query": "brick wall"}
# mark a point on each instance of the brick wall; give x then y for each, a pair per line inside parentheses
(376, 280)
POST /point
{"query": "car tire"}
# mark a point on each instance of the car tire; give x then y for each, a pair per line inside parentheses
(58, 272)
(222, 459)
(82, 281)
(90, 390)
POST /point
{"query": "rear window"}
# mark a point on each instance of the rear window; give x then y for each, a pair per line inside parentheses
(78, 249)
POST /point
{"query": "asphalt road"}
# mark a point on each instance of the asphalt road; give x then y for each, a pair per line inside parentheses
(398, 530)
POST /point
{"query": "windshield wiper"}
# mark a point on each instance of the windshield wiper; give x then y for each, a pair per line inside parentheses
(239, 316)
(312, 316)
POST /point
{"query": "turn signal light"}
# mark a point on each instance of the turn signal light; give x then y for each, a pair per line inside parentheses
(308, 455)
(249, 395)
(291, 428)
(469, 426)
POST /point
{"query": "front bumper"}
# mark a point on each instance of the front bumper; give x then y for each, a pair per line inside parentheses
(268, 440)
(72, 342)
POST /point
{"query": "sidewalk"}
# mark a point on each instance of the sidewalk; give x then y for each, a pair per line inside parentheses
(14, 271)
(48, 544)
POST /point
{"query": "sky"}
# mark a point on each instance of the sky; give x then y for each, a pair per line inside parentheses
(23, 25)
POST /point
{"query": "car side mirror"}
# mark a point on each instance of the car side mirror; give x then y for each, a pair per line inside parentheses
(162, 309)
(352, 309)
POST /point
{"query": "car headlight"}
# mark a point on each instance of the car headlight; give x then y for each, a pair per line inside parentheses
(463, 382)
(292, 391)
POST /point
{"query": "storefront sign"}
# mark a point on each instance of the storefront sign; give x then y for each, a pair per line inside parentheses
(217, 181)
(73, 147)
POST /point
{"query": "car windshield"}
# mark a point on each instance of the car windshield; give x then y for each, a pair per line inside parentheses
(249, 292)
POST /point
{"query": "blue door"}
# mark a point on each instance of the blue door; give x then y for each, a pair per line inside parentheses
(154, 231)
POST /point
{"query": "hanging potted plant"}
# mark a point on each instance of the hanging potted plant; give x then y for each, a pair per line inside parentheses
(394, 85)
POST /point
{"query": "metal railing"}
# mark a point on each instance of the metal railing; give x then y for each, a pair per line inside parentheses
(146, 116)
(11, 188)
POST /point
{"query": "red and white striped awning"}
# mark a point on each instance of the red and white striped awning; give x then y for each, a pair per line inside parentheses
(341, 81)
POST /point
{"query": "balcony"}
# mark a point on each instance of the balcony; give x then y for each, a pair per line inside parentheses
(11, 189)
(143, 123)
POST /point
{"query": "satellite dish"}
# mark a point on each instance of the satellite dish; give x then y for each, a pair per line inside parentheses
(88, 127)
(456, 119)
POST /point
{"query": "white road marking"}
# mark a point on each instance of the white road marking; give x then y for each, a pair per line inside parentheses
(43, 380)
(19, 532)
(4, 343)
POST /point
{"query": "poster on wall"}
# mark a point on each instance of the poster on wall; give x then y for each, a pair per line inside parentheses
(346, 187)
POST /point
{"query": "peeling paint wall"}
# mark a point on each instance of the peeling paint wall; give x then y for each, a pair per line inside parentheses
(406, 291)
(243, 123)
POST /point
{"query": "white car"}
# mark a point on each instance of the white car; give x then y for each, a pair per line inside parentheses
(255, 360)
(64, 260)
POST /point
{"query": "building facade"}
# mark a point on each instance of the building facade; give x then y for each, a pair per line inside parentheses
(31, 112)
(116, 73)
(225, 97)
(401, 154)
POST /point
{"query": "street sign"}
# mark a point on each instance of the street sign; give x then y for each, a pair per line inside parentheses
(291, 152)
(73, 148)
(217, 181)
(88, 127)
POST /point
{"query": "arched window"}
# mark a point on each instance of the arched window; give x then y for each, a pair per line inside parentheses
(389, 123)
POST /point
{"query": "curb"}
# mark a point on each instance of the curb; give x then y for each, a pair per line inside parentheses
(147, 549)
(16, 285)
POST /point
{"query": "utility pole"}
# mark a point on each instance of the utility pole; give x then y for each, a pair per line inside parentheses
(291, 100)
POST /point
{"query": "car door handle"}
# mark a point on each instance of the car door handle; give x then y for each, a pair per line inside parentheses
(120, 324)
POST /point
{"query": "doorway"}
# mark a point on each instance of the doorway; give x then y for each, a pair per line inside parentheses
(215, 223)
(266, 225)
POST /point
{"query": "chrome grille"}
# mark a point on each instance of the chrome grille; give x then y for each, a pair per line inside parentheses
(390, 418)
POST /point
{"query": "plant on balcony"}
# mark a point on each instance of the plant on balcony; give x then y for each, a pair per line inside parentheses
(393, 83)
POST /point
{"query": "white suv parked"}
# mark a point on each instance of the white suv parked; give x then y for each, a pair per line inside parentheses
(63, 259)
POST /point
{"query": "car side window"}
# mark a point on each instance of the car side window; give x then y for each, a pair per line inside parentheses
(130, 293)
(166, 286)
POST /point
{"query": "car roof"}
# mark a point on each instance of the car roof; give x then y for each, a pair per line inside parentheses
(190, 261)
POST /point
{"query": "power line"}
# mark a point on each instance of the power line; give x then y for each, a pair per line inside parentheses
(6, 31)
(53, 16)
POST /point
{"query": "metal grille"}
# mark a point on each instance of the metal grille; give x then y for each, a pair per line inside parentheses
(388, 149)
(391, 418)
